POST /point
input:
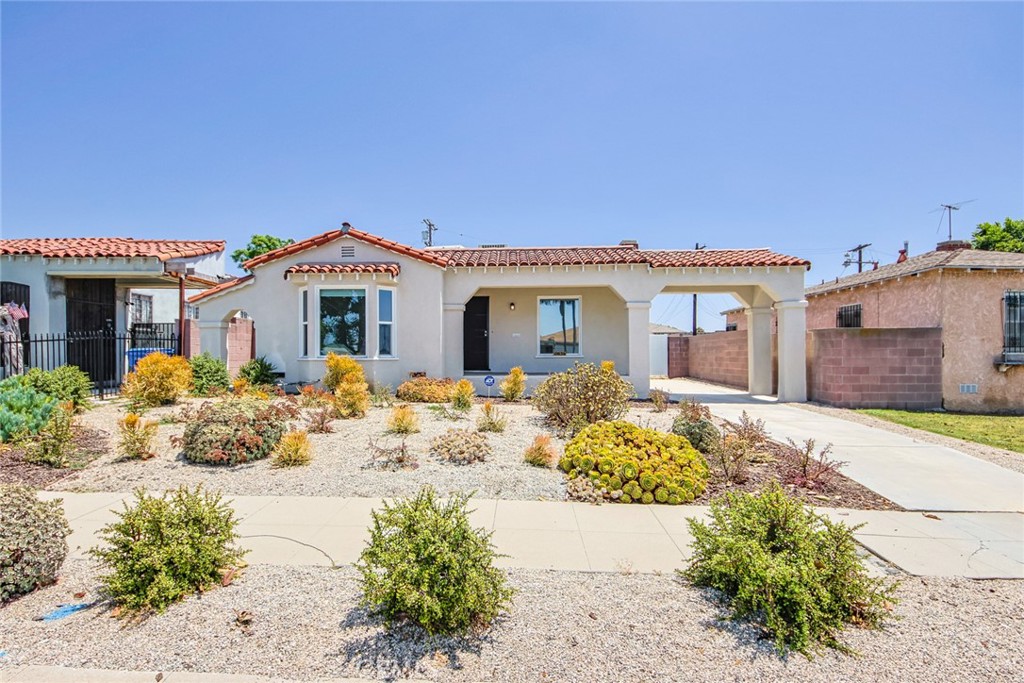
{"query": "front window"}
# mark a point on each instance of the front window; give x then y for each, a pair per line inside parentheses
(343, 321)
(385, 322)
(558, 325)
(142, 308)
(1013, 322)
(305, 323)
(848, 316)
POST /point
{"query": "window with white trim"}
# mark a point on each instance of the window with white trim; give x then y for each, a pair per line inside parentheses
(559, 323)
(385, 322)
(342, 313)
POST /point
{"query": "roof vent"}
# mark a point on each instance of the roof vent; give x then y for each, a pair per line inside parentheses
(629, 243)
(952, 245)
(348, 251)
(345, 227)
(493, 246)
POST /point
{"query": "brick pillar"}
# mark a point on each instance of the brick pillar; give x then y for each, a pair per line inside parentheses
(191, 345)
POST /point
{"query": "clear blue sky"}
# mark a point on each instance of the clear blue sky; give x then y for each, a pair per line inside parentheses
(806, 127)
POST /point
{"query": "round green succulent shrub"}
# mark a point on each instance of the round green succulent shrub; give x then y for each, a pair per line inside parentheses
(784, 566)
(33, 541)
(643, 465)
(163, 548)
(234, 431)
(583, 395)
(209, 374)
(24, 410)
(425, 563)
(702, 434)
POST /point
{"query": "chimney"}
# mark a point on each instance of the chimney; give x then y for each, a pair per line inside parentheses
(629, 243)
(903, 252)
(953, 245)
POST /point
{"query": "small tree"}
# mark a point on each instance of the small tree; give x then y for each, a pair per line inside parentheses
(259, 245)
(995, 237)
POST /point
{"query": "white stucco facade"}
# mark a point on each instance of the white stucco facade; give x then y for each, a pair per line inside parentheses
(429, 317)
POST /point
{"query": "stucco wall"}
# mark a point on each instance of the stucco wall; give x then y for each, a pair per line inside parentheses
(275, 306)
(876, 368)
(514, 337)
(972, 335)
(914, 301)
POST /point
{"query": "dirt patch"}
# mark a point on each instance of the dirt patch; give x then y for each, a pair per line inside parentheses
(90, 443)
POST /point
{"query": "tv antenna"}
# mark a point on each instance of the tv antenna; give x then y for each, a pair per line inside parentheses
(428, 234)
(948, 209)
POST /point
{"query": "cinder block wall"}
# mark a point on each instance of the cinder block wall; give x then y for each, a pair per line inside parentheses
(719, 357)
(191, 346)
(876, 368)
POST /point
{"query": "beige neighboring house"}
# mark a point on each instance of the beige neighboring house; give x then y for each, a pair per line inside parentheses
(970, 301)
(472, 312)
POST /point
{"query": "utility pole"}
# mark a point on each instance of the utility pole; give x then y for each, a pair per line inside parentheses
(428, 234)
(860, 257)
(698, 246)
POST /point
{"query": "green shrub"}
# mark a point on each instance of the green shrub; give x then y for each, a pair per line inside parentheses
(33, 541)
(258, 372)
(351, 399)
(65, 384)
(514, 385)
(424, 562)
(158, 379)
(583, 395)
(636, 465)
(209, 374)
(23, 409)
(461, 446)
(382, 396)
(660, 400)
(426, 390)
(234, 431)
(162, 549)
(702, 434)
(789, 569)
(53, 446)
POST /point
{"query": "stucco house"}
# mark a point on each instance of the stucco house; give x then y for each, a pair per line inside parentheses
(469, 312)
(941, 329)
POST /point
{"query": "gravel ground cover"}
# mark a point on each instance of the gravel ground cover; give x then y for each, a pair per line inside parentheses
(1004, 458)
(341, 463)
(564, 626)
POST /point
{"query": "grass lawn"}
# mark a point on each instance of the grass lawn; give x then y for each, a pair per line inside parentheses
(1001, 431)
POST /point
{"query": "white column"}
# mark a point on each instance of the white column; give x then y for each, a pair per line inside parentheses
(639, 313)
(452, 338)
(792, 350)
(759, 351)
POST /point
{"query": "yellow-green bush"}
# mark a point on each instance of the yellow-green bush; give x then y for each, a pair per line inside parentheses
(514, 385)
(351, 399)
(403, 420)
(541, 453)
(342, 370)
(426, 390)
(158, 379)
(463, 395)
(136, 436)
(636, 465)
(491, 419)
(292, 450)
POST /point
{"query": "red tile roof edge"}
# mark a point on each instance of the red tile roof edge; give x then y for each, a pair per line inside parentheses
(354, 267)
(344, 231)
(107, 247)
(224, 286)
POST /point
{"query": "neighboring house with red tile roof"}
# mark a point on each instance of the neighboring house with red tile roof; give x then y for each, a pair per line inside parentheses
(457, 311)
(970, 301)
(86, 284)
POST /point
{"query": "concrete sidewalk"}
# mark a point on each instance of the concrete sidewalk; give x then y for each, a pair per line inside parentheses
(307, 530)
(914, 474)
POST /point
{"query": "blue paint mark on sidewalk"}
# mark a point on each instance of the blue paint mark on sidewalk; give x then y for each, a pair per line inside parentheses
(65, 611)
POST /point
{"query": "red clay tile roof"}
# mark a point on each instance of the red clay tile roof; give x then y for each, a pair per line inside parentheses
(363, 267)
(109, 247)
(220, 288)
(617, 255)
(332, 235)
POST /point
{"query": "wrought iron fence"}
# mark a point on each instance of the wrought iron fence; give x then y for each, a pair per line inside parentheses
(105, 356)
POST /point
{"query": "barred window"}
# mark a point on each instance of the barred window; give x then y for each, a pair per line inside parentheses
(1013, 322)
(730, 327)
(848, 316)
